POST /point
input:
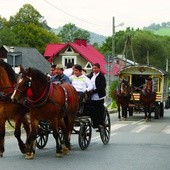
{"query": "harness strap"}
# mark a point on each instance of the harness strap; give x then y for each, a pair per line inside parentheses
(65, 107)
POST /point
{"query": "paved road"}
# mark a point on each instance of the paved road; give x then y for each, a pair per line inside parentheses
(134, 145)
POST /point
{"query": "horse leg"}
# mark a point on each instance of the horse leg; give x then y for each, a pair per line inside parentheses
(145, 110)
(149, 110)
(17, 134)
(69, 122)
(2, 136)
(66, 142)
(125, 112)
(118, 109)
(31, 140)
(26, 125)
(57, 138)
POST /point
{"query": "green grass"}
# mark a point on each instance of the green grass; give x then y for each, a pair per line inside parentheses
(162, 32)
(8, 127)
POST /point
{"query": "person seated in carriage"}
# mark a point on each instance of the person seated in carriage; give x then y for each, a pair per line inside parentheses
(82, 84)
(58, 76)
(97, 95)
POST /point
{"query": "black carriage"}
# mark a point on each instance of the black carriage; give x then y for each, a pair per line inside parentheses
(82, 127)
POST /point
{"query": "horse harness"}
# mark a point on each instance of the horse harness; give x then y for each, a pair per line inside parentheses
(46, 95)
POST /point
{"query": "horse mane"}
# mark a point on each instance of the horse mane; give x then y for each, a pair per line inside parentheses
(11, 73)
(38, 75)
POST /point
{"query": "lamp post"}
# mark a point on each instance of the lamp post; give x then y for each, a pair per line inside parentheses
(113, 36)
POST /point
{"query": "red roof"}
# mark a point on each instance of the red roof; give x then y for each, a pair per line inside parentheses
(80, 46)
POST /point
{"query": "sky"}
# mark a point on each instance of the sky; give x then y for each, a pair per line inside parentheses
(95, 15)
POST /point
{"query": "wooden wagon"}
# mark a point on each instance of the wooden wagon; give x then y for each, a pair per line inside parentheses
(136, 75)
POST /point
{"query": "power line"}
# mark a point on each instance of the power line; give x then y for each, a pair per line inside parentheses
(73, 15)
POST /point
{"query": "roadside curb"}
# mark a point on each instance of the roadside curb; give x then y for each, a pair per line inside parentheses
(11, 132)
(111, 111)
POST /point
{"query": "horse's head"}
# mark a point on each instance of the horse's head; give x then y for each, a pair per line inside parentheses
(30, 84)
(24, 82)
(148, 85)
(125, 88)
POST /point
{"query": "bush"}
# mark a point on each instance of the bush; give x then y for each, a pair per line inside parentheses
(113, 86)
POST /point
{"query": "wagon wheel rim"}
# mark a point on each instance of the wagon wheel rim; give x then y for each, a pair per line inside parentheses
(42, 136)
(41, 140)
(85, 135)
(105, 130)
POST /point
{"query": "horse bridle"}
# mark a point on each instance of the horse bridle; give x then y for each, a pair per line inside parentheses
(17, 84)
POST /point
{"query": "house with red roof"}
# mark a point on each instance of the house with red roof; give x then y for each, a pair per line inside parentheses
(78, 52)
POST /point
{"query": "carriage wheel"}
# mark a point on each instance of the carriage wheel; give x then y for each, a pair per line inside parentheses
(85, 134)
(105, 130)
(42, 136)
(157, 111)
(161, 109)
(130, 111)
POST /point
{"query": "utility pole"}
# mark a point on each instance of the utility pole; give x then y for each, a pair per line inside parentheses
(113, 39)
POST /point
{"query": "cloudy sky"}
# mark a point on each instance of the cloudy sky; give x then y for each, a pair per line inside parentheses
(95, 15)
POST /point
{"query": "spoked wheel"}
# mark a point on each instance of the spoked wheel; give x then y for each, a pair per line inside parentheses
(85, 133)
(105, 130)
(43, 133)
(157, 111)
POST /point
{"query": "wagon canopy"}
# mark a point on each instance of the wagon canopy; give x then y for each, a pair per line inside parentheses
(142, 69)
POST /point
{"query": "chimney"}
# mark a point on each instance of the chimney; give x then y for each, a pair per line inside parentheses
(80, 42)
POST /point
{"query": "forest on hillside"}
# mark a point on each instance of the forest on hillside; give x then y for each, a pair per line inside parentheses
(155, 26)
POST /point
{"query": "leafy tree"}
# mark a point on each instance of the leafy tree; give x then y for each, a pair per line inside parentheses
(27, 28)
(26, 15)
(106, 48)
(31, 35)
(8, 37)
(70, 32)
(3, 22)
(146, 44)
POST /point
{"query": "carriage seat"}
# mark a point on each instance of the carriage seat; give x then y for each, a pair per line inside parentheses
(83, 99)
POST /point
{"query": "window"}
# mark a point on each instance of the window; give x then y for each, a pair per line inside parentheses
(69, 59)
(88, 66)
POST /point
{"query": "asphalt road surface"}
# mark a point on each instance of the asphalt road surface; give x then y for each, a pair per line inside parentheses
(134, 145)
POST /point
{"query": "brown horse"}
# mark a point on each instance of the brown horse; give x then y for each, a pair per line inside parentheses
(148, 98)
(8, 109)
(56, 103)
(122, 96)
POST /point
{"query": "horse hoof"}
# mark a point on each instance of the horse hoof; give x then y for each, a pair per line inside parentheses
(66, 151)
(29, 156)
(59, 155)
(1, 155)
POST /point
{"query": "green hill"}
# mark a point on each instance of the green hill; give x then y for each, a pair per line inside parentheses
(162, 31)
(94, 37)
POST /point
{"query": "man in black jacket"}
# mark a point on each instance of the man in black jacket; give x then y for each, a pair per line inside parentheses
(97, 95)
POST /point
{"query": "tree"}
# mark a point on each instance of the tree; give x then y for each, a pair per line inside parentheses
(30, 29)
(26, 15)
(3, 22)
(8, 37)
(70, 32)
(31, 35)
